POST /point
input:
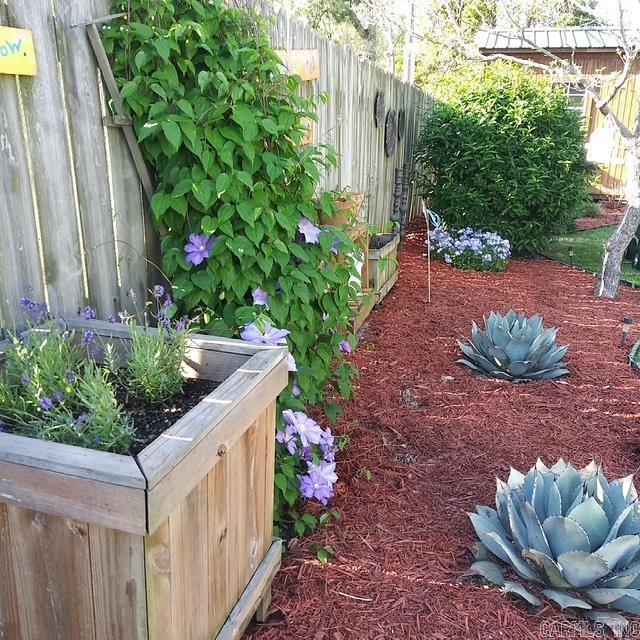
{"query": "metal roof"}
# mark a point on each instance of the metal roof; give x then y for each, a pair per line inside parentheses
(571, 38)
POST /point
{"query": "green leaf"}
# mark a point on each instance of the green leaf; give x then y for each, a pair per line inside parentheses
(172, 132)
(245, 178)
(223, 182)
(161, 45)
(281, 482)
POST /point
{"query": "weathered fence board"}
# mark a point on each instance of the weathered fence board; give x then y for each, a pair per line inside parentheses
(76, 228)
(71, 210)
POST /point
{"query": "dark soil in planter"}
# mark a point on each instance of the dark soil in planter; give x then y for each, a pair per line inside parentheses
(380, 240)
(150, 420)
(428, 439)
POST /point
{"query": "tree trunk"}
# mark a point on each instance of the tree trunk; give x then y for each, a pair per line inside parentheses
(607, 285)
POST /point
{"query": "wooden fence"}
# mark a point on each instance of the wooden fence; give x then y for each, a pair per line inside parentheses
(75, 228)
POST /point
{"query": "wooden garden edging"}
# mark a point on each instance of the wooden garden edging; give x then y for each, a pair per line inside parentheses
(383, 268)
(175, 544)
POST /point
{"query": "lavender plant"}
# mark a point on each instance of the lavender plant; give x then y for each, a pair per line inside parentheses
(471, 249)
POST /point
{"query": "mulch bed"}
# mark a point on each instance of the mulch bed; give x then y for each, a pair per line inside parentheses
(611, 212)
(434, 437)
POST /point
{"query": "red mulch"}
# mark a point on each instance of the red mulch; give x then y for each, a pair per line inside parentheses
(611, 212)
(404, 539)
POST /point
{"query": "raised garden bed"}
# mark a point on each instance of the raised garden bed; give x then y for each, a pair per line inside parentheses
(383, 263)
(175, 542)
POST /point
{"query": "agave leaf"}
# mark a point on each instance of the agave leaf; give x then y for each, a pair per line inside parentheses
(547, 567)
(492, 515)
(502, 492)
(499, 357)
(519, 367)
(482, 553)
(592, 518)
(623, 579)
(518, 564)
(582, 569)
(537, 539)
(564, 535)
(501, 375)
(510, 317)
(542, 468)
(518, 530)
(539, 497)
(469, 364)
(618, 491)
(613, 532)
(517, 349)
(534, 323)
(629, 603)
(490, 571)
(501, 338)
(565, 600)
(484, 529)
(589, 471)
(527, 485)
(552, 358)
(554, 501)
(547, 374)
(625, 599)
(567, 484)
(619, 549)
(515, 479)
(559, 467)
(517, 589)
(614, 621)
(480, 339)
(544, 340)
(630, 525)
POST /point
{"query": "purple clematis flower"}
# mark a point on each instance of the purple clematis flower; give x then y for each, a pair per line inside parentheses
(270, 336)
(291, 363)
(345, 347)
(307, 428)
(309, 230)
(327, 446)
(198, 248)
(296, 390)
(336, 244)
(260, 297)
(288, 438)
(315, 486)
(326, 469)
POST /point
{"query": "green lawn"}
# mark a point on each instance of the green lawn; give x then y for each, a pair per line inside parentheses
(587, 252)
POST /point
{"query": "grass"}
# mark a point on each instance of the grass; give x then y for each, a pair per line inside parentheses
(588, 247)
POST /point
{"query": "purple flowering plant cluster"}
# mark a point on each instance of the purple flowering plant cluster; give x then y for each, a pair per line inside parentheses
(52, 388)
(471, 249)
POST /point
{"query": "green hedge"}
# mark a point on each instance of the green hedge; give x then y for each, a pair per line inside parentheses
(501, 152)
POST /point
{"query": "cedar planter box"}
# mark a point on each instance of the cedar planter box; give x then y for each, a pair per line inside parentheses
(383, 263)
(349, 207)
(174, 544)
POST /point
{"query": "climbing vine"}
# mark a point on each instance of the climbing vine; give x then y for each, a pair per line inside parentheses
(238, 204)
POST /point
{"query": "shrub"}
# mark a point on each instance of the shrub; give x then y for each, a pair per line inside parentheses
(237, 198)
(500, 151)
(572, 532)
(515, 348)
(470, 249)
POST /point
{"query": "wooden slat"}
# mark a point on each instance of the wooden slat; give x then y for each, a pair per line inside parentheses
(252, 595)
(159, 583)
(73, 461)
(188, 525)
(80, 80)
(108, 505)
(44, 108)
(19, 255)
(53, 575)
(119, 584)
(220, 487)
(188, 450)
(9, 609)
(269, 425)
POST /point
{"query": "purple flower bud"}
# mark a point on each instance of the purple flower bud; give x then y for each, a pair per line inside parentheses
(168, 301)
(70, 376)
(157, 291)
(111, 320)
(46, 403)
(345, 347)
(88, 337)
(25, 380)
(260, 297)
(57, 396)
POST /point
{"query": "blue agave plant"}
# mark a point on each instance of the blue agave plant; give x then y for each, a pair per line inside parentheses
(570, 532)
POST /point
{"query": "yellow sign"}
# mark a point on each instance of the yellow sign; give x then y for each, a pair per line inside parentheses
(17, 54)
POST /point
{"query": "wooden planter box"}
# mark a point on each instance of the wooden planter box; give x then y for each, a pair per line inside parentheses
(348, 209)
(175, 544)
(383, 264)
